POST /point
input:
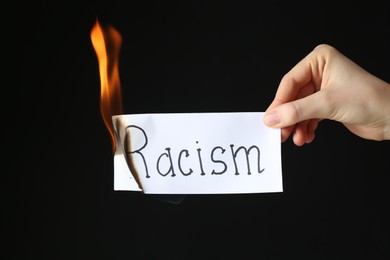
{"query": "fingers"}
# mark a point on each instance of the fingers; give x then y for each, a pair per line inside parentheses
(303, 79)
(298, 118)
(286, 132)
(299, 104)
(300, 133)
(311, 128)
(311, 107)
(304, 132)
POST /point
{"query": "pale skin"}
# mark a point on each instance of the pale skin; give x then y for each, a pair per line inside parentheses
(327, 85)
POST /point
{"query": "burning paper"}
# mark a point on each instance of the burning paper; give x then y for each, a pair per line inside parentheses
(190, 153)
(196, 153)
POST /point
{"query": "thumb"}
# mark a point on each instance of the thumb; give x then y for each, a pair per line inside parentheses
(290, 113)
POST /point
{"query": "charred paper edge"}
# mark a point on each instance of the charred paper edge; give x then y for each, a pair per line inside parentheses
(124, 177)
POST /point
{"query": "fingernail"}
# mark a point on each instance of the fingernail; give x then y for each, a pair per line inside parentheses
(272, 118)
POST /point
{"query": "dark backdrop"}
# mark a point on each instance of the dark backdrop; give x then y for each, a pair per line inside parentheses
(186, 56)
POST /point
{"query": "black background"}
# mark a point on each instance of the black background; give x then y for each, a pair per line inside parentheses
(186, 56)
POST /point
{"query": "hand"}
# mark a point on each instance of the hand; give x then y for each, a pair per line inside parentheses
(328, 85)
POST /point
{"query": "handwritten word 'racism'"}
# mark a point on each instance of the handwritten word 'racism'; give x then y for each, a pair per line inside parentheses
(169, 163)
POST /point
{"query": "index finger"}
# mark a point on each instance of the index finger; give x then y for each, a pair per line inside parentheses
(308, 70)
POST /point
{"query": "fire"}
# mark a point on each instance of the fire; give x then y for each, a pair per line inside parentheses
(107, 42)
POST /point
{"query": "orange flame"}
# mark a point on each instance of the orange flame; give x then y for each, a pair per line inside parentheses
(107, 43)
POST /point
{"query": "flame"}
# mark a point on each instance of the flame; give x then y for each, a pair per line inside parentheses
(107, 43)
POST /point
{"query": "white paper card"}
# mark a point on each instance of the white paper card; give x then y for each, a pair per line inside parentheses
(197, 153)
